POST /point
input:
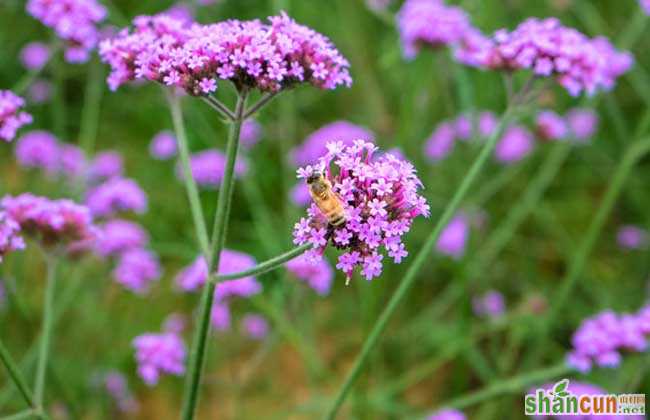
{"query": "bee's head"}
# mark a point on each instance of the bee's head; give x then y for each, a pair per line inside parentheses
(314, 177)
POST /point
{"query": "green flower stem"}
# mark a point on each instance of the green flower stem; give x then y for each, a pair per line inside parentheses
(268, 265)
(508, 386)
(90, 110)
(16, 376)
(264, 100)
(27, 414)
(199, 347)
(418, 263)
(218, 106)
(46, 337)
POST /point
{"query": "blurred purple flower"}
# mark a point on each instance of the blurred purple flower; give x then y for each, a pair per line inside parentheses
(473, 48)
(583, 123)
(430, 23)
(180, 11)
(300, 194)
(136, 269)
(250, 134)
(490, 304)
(441, 142)
(118, 236)
(10, 239)
(645, 5)
(315, 145)
(208, 168)
(40, 91)
(106, 165)
(487, 123)
(38, 149)
(380, 199)
(220, 316)
(447, 415)
(516, 144)
(453, 239)
(255, 326)
(550, 126)
(34, 55)
(118, 388)
(11, 116)
(463, 127)
(72, 161)
(175, 323)
(632, 237)
(318, 274)
(74, 21)
(163, 146)
(269, 57)
(115, 196)
(159, 353)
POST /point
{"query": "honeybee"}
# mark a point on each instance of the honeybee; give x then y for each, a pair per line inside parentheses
(326, 199)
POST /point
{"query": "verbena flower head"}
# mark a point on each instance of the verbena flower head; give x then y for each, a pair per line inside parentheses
(315, 145)
(38, 149)
(318, 274)
(137, 269)
(208, 168)
(549, 49)
(10, 239)
(163, 146)
(430, 23)
(632, 237)
(116, 195)
(255, 326)
(34, 55)
(106, 165)
(516, 143)
(157, 354)
(599, 340)
(250, 134)
(53, 222)
(118, 388)
(453, 239)
(74, 21)
(251, 54)
(447, 414)
(11, 115)
(490, 304)
(380, 198)
(550, 126)
(118, 236)
(441, 142)
(583, 123)
(72, 162)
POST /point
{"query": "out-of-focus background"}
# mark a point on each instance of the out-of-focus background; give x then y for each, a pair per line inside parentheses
(437, 347)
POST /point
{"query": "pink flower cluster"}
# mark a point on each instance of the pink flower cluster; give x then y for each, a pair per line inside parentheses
(163, 146)
(317, 274)
(74, 21)
(430, 23)
(116, 195)
(632, 237)
(453, 239)
(255, 326)
(136, 269)
(119, 236)
(10, 239)
(380, 198)
(42, 150)
(645, 5)
(11, 116)
(106, 165)
(209, 166)
(157, 354)
(547, 48)
(251, 54)
(34, 55)
(251, 131)
(53, 222)
(600, 339)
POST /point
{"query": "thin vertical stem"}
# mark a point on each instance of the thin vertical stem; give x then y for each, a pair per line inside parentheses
(418, 263)
(90, 111)
(199, 348)
(41, 367)
(16, 376)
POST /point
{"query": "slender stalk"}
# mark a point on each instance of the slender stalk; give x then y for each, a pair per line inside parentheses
(218, 106)
(190, 183)
(268, 265)
(199, 348)
(22, 415)
(41, 367)
(265, 99)
(16, 376)
(90, 110)
(418, 263)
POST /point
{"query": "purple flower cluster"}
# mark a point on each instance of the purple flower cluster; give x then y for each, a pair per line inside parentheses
(465, 127)
(318, 274)
(255, 326)
(34, 55)
(517, 143)
(380, 198)
(645, 5)
(42, 150)
(163, 146)
(447, 415)
(74, 21)
(136, 269)
(118, 388)
(157, 354)
(548, 48)
(119, 236)
(550, 126)
(490, 304)
(250, 134)
(315, 145)
(632, 237)
(10, 239)
(106, 165)
(251, 54)
(599, 340)
(208, 168)
(116, 195)
(11, 116)
(430, 23)
(53, 222)
(453, 239)
(582, 123)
